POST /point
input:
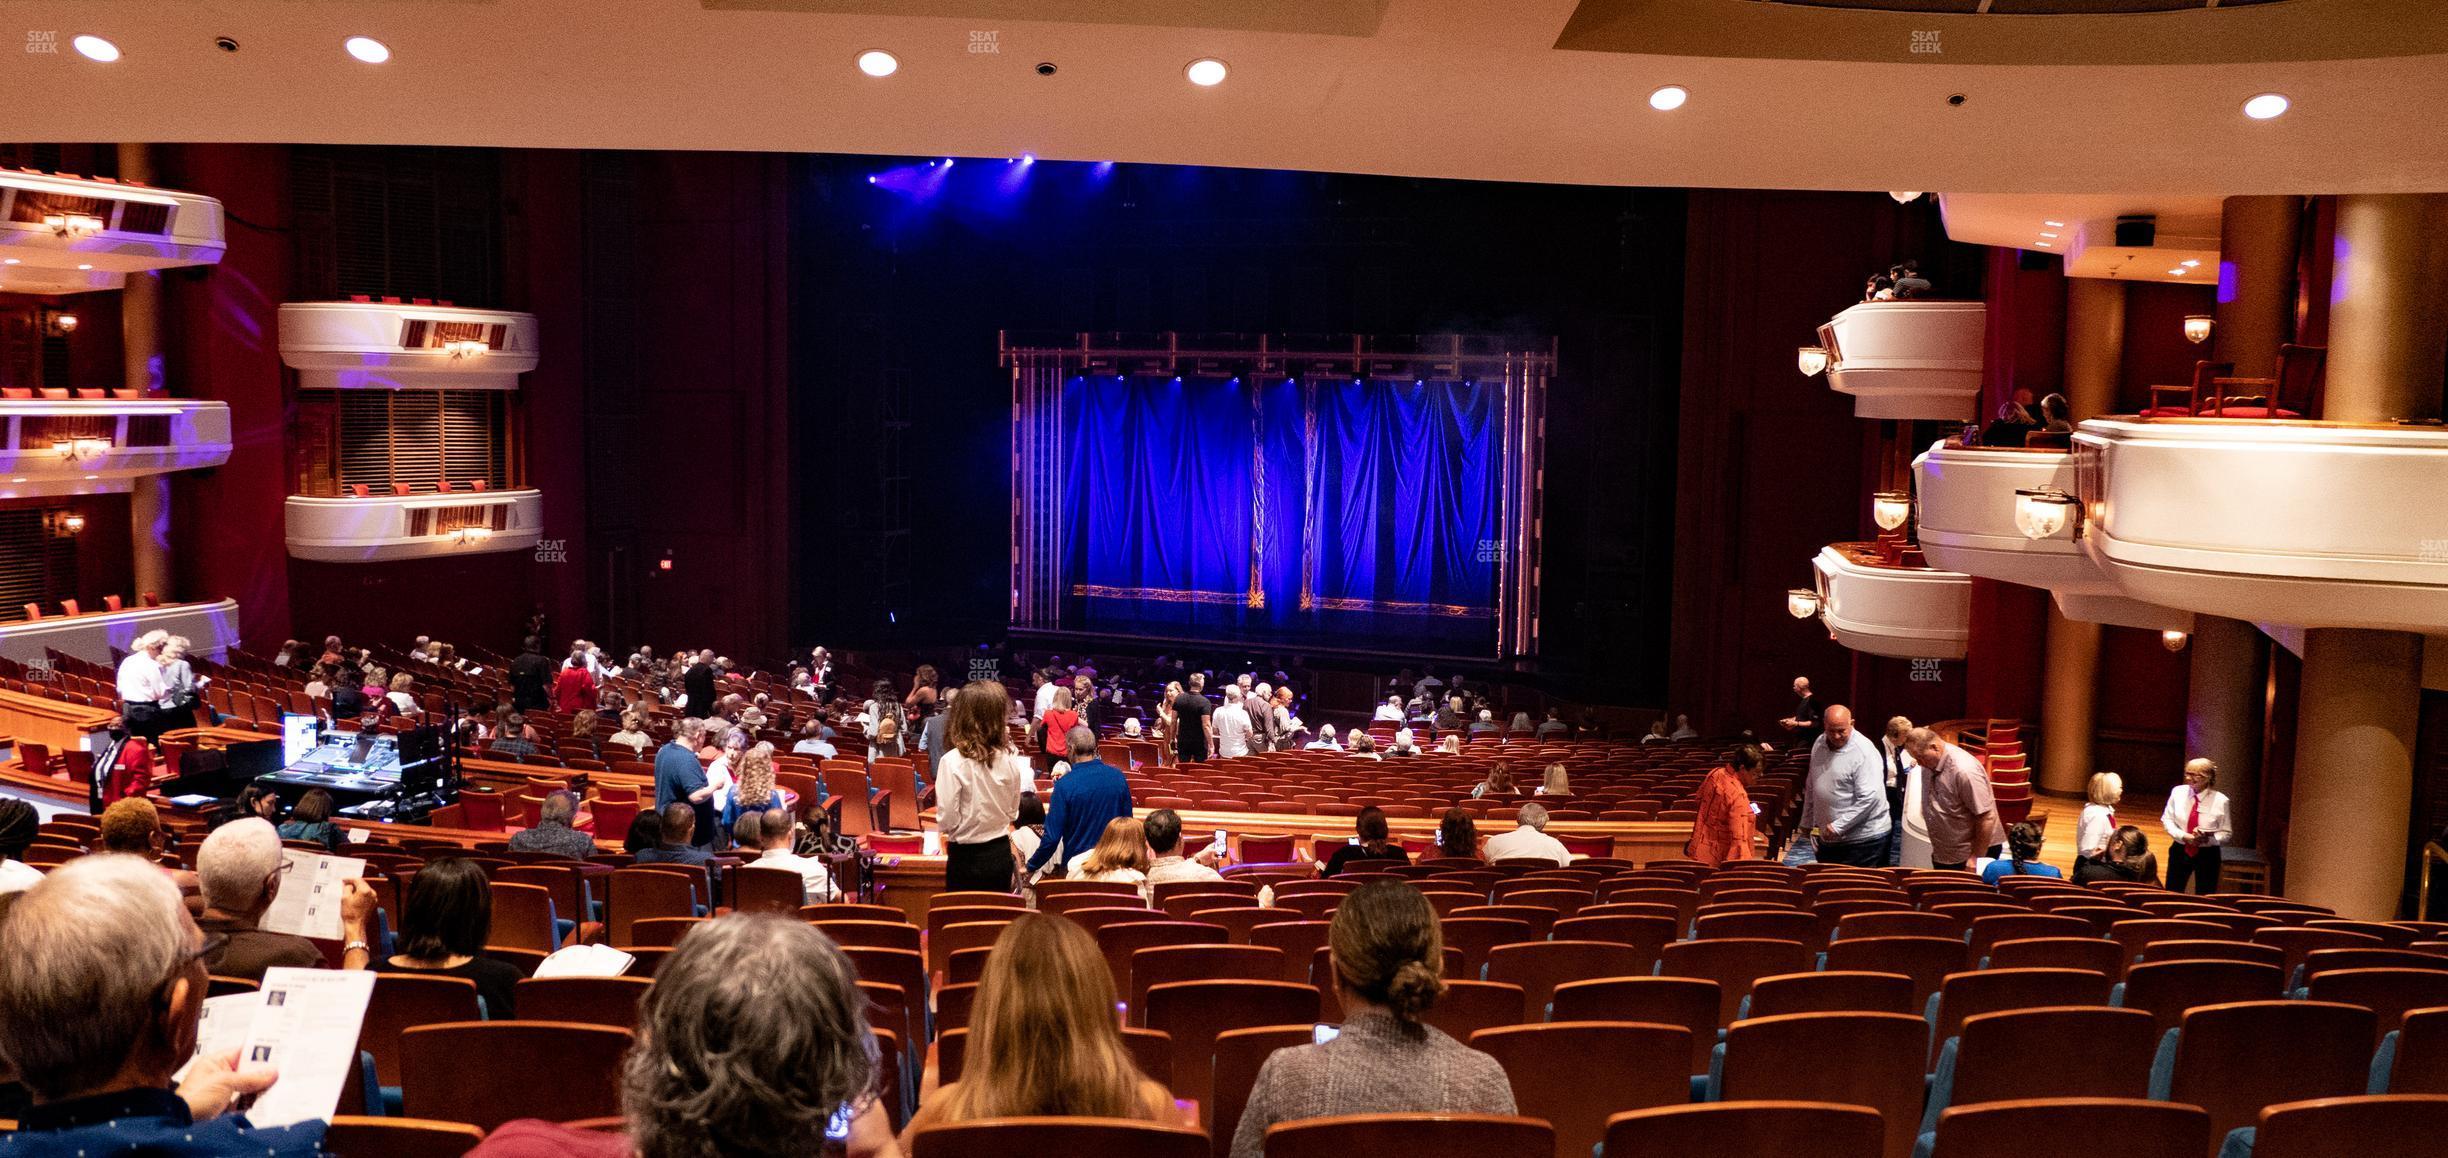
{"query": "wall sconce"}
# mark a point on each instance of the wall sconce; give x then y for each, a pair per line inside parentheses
(72, 224)
(2173, 640)
(1812, 360)
(59, 324)
(80, 450)
(71, 523)
(2044, 513)
(2197, 328)
(1891, 509)
(1801, 603)
(466, 347)
(470, 535)
(1903, 198)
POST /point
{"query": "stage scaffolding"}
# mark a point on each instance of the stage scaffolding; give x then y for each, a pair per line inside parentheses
(1041, 371)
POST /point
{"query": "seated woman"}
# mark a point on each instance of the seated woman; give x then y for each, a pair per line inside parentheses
(1043, 1039)
(1387, 956)
(448, 917)
(2128, 859)
(1373, 843)
(1499, 782)
(1557, 782)
(632, 734)
(1458, 835)
(2022, 856)
(311, 820)
(1121, 855)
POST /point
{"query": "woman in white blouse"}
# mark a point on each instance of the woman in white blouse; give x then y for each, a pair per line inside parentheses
(2098, 822)
(2196, 824)
(977, 790)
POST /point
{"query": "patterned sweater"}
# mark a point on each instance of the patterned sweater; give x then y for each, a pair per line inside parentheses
(1378, 1065)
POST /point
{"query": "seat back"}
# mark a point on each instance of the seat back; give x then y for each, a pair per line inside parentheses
(1791, 1057)
(1820, 1129)
(2166, 989)
(2234, 1059)
(1195, 961)
(2389, 993)
(1578, 1074)
(523, 917)
(757, 889)
(1298, 941)
(2352, 1126)
(1118, 1137)
(1539, 966)
(488, 1072)
(1971, 994)
(1474, 936)
(1412, 1135)
(1833, 991)
(2086, 1051)
(609, 1001)
(403, 1001)
(1689, 1002)
(872, 934)
(2421, 1066)
(2129, 1127)
(1466, 1007)
(1927, 960)
(2091, 953)
(635, 894)
(1192, 1013)
(399, 1137)
(1733, 963)
(1238, 1055)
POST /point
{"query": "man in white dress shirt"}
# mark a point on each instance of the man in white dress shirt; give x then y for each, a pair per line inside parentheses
(1233, 727)
(1391, 710)
(773, 831)
(142, 687)
(1529, 839)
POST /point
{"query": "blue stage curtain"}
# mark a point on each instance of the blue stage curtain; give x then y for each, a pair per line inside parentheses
(1157, 503)
(1407, 499)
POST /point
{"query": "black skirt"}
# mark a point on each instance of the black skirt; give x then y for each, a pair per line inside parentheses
(985, 866)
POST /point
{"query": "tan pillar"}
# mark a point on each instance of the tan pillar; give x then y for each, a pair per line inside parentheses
(2389, 319)
(2257, 249)
(2069, 689)
(2362, 690)
(2354, 770)
(140, 340)
(2226, 692)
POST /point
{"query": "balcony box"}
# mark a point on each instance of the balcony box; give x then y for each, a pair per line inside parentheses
(1965, 498)
(380, 528)
(110, 441)
(396, 345)
(1908, 359)
(66, 235)
(1882, 608)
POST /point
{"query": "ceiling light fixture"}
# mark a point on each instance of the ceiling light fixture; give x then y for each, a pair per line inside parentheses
(1904, 198)
(2190, 262)
(2267, 106)
(879, 63)
(96, 49)
(1801, 602)
(2054, 224)
(367, 49)
(2043, 244)
(1811, 360)
(1890, 509)
(2197, 328)
(1206, 72)
(2173, 640)
(1668, 98)
(2046, 233)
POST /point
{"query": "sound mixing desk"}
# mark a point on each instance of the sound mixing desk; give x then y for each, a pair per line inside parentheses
(363, 771)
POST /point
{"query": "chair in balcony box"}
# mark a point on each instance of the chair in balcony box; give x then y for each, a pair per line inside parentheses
(2187, 401)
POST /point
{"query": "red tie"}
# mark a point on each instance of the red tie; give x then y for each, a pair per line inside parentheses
(2193, 818)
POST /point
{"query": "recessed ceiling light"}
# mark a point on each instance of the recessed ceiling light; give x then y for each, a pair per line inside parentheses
(2267, 106)
(1206, 72)
(10, 261)
(84, 265)
(367, 49)
(1669, 98)
(2046, 233)
(2179, 271)
(2041, 244)
(2054, 224)
(2190, 262)
(877, 62)
(96, 48)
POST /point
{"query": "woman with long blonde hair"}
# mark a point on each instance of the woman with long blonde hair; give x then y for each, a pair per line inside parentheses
(1043, 1038)
(1121, 855)
(1558, 782)
(755, 772)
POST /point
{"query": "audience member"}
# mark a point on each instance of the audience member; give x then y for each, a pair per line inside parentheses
(1728, 823)
(1193, 721)
(2128, 859)
(1388, 959)
(1087, 799)
(1529, 839)
(1120, 857)
(2022, 857)
(399, 697)
(180, 688)
(1657, 733)
(753, 1037)
(1364, 746)
(1845, 796)
(1325, 741)
(632, 734)
(1163, 829)
(1028, 831)
(141, 685)
(1955, 802)
(1390, 711)
(681, 779)
(1406, 743)
(679, 844)
(1558, 782)
(1371, 841)
(1458, 835)
(1554, 727)
(18, 823)
(1451, 745)
(2098, 820)
(513, 737)
(133, 826)
(770, 835)
(1498, 784)
(1233, 726)
(1807, 715)
(977, 791)
(531, 677)
(241, 868)
(1901, 828)
(553, 833)
(1043, 1040)
(444, 930)
(756, 791)
(312, 820)
(1683, 729)
(2196, 822)
(99, 1002)
(645, 832)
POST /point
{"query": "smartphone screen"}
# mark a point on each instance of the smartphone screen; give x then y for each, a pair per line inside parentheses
(1323, 1033)
(1219, 838)
(837, 1128)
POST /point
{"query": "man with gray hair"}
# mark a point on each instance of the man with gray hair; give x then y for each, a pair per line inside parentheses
(1529, 839)
(240, 867)
(1091, 797)
(1956, 802)
(555, 833)
(98, 1008)
(680, 779)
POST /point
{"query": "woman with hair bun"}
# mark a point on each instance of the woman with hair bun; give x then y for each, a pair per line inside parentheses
(1388, 957)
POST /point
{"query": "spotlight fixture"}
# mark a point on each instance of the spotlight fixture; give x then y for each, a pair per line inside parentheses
(96, 49)
(72, 523)
(367, 49)
(1668, 98)
(2268, 106)
(2173, 640)
(1891, 509)
(2197, 328)
(59, 324)
(1801, 602)
(1811, 360)
(1206, 72)
(2044, 513)
(879, 63)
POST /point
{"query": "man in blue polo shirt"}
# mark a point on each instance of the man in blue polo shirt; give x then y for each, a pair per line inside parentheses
(1091, 797)
(680, 778)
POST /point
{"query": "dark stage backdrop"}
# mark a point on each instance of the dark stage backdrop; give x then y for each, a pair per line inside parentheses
(1361, 513)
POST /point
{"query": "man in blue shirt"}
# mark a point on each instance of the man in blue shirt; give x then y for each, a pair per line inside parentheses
(1091, 797)
(680, 778)
(99, 1003)
(1845, 794)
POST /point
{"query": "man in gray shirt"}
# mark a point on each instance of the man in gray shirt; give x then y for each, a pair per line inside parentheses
(1845, 795)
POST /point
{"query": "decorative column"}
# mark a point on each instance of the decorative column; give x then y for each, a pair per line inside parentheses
(140, 307)
(2069, 712)
(2361, 697)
